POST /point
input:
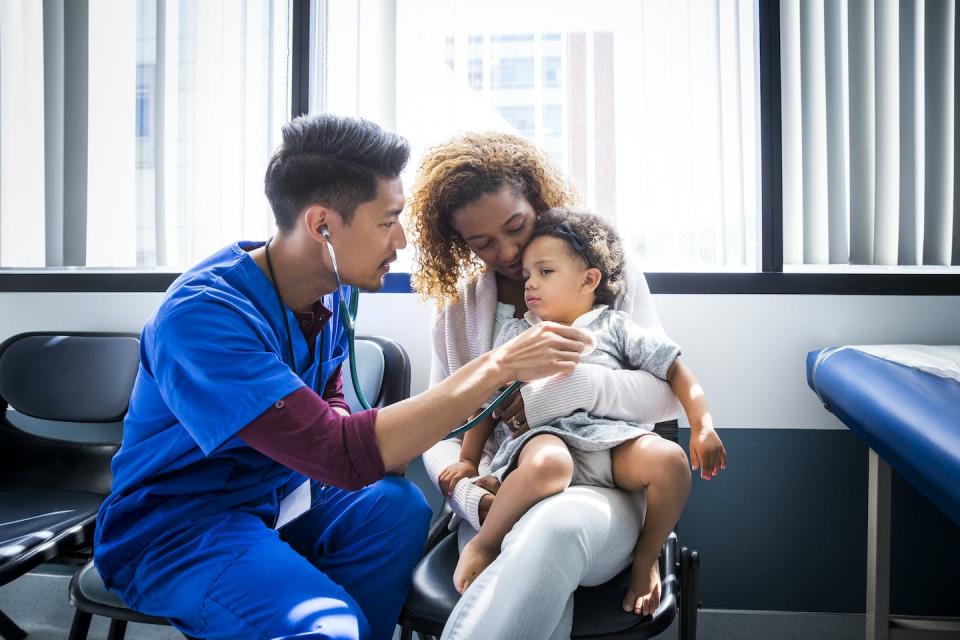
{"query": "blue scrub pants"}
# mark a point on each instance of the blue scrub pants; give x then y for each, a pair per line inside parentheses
(340, 571)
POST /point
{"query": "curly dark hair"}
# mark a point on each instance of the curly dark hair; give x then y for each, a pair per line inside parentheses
(457, 173)
(602, 247)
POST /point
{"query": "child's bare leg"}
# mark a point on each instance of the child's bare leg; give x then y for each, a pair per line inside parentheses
(660, 467)
(544, 468)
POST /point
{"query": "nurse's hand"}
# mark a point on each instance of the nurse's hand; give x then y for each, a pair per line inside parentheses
(543, 350)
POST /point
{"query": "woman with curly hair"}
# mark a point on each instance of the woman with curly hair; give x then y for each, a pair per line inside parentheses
(573, 271)
(473, 211)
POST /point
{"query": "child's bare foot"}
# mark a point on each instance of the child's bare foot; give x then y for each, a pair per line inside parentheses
(473, 560)
(643, 596)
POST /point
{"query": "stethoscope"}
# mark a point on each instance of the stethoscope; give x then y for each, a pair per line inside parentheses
(349, 314)
(348, 311)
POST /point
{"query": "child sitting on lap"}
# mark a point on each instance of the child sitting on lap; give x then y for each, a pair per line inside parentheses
(572, 269)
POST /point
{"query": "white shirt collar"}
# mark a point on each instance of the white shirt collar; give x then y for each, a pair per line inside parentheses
(582, 321)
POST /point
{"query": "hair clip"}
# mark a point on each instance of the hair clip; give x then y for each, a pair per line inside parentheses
(563, 229)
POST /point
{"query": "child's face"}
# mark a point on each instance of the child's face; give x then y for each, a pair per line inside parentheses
(554, 280)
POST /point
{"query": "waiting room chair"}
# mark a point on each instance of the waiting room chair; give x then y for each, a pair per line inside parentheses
(384, 374)
(62, 396)
(596, 612)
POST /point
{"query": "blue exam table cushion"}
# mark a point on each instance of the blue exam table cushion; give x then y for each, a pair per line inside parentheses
(910, 417)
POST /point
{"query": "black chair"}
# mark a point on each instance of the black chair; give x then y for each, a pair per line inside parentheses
(62, 396)
(596, 611)
(384, 375)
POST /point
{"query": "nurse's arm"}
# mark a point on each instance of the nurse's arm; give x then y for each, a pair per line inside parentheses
(406, 429)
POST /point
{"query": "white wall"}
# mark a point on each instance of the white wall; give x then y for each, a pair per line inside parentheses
(748, 350)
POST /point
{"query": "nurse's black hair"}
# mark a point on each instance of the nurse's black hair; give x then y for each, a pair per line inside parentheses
(590, 238)
(330, 160)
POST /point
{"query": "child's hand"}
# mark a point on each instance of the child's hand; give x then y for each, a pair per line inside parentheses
(707, 452)
(512, 415)
(453, 474)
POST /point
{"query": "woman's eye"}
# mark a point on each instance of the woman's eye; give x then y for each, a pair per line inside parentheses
(514, 232)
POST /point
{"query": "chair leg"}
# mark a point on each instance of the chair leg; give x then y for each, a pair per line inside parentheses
(405, 633)
(118, 629)
(9, 629)
(81, 625)
(689, 593)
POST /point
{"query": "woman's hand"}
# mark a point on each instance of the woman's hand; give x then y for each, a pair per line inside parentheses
(454, 473)
(707, 452)
(511, 412)
(541, 351)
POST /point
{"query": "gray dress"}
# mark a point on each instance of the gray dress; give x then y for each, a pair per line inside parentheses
(620, 344)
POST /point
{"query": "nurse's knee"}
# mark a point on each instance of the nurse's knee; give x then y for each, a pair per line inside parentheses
(404, 501)
(337, 619)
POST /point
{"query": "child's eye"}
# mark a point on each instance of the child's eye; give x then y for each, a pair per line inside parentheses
(546, 272)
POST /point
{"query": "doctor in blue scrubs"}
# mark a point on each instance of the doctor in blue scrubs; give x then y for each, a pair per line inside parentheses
(247, 502)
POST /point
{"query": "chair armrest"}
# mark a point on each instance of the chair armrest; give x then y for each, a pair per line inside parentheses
(439, 528)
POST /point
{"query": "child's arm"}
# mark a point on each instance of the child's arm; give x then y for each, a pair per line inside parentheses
(474, 440)
(706, 449)
(470, 453)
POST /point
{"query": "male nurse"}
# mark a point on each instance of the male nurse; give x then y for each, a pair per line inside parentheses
(247, 501)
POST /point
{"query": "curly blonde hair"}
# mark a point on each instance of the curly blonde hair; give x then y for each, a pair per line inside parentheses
(457, 173)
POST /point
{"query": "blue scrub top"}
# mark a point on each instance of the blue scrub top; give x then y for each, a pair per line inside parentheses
(212, 359)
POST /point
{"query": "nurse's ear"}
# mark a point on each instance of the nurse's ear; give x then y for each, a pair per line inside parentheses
(321, 223)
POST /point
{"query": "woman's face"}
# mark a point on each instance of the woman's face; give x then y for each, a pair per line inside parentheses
(497, 228)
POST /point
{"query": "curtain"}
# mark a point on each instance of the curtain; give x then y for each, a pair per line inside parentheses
(869, 132)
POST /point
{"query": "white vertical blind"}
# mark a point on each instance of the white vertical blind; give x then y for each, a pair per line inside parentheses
(21, 134)
(838, 161)
(814, 133)
(939, 35)
(911, 132)
(791, 100)
(164, 136)
(868, 94)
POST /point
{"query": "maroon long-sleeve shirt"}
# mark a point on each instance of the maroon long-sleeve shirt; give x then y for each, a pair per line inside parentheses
(304, 432)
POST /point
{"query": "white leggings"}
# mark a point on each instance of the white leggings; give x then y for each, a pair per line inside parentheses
(585, 535)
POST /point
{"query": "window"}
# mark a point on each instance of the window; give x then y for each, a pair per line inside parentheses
(512, 65)
(649, 108)
(518, 118)
(475, 63)
(156, 121)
